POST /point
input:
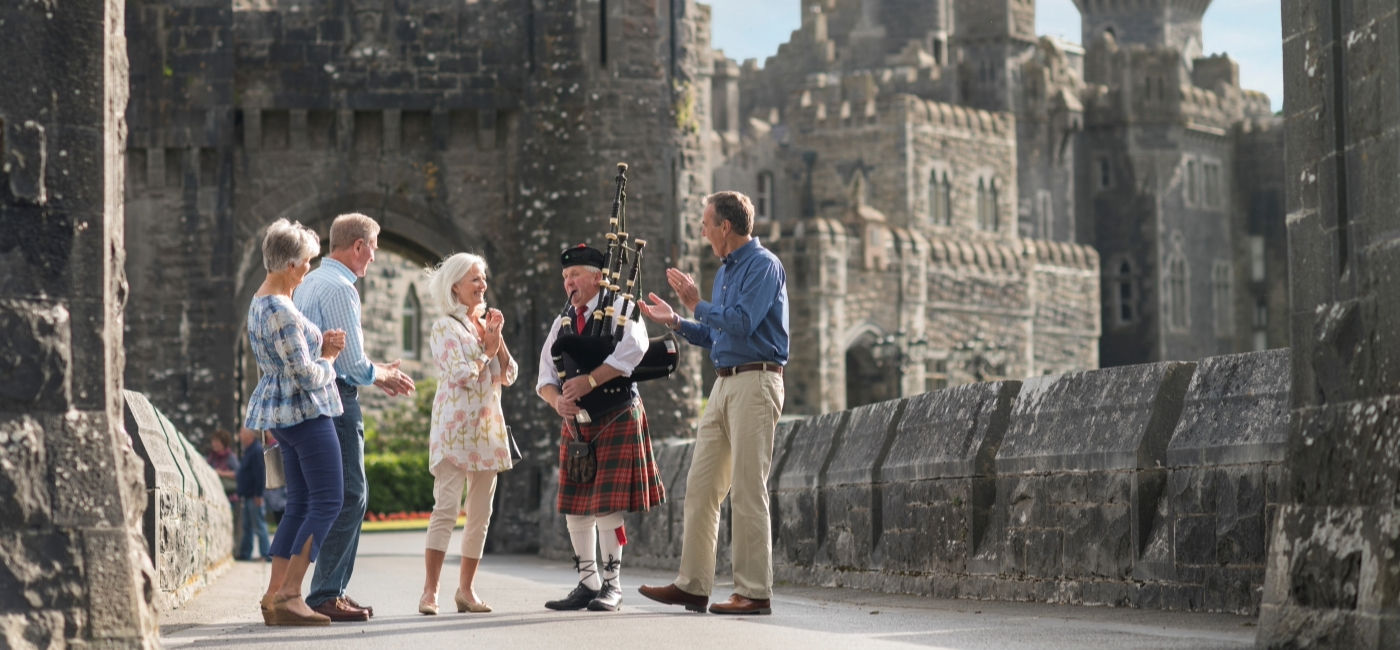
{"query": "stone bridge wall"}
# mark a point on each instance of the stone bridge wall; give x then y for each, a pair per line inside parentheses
(1139, 486)
(188, 523)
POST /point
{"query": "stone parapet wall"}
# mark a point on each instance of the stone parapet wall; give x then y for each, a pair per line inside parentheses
(1140, 486)
(188, 523)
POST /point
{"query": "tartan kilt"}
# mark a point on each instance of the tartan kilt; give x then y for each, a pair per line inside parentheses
(627, 479)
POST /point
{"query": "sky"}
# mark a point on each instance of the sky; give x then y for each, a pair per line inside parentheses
(1250, 31)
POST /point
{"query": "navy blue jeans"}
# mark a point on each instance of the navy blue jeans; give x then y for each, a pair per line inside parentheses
(343, 542)
(311, 458)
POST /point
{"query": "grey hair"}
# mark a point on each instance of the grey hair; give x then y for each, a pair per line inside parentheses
(288, 243)
(449, 272)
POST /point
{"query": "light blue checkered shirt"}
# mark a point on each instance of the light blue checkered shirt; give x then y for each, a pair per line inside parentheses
(327, 296)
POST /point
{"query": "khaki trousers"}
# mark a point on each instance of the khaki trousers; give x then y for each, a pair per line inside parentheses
(448, 480)
(733, 455)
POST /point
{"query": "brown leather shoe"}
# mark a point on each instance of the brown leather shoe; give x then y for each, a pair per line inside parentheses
(340, 611)
(672, 595)
(369, 609)
(742, 605)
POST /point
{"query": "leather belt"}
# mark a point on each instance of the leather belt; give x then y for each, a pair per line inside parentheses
(746, 367)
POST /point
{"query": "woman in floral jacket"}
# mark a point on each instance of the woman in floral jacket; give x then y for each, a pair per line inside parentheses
(468, 444)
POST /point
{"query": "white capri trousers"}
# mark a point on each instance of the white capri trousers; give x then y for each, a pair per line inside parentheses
(448, 481)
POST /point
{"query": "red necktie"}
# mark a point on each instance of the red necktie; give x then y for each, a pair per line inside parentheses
(579, 319)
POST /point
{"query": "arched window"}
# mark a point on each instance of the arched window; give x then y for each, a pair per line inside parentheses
(940, 198)
(1124, 289)
(1190, 182)
(1045, 229)
(1222, 282)
(1176, 300)
(411, 315)
(993, 209)
(988, 216)
(763, 198)
(982, 211)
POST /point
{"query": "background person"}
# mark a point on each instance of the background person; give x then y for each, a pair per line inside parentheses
(468, 444)
(252, 481)
(296, 399)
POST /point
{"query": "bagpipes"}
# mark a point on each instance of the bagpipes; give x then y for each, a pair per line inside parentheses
(580, 353)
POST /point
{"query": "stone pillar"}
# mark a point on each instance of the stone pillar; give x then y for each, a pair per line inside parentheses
(72, 566)
(1333, 575)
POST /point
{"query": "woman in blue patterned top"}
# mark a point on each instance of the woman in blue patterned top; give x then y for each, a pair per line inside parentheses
(295, 398)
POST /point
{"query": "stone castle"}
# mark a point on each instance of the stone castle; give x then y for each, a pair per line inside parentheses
(955, 199)
(990, 490)
(943, 224)
(991, 204)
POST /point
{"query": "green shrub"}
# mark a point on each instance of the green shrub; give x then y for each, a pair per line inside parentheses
(404, 427)
(399, 482)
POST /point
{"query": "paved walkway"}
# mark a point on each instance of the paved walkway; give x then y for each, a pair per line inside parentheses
(389, 576)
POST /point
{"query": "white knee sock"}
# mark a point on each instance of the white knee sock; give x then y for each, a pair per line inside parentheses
(611, 538)
(581, 534)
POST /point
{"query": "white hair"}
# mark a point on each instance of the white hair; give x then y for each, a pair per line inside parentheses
(449, 272)
(287, 244)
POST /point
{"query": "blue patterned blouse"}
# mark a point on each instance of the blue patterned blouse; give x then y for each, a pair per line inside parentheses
(295, 385)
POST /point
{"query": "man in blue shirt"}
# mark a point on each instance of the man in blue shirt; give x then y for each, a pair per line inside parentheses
(327, 297)
(745, 326)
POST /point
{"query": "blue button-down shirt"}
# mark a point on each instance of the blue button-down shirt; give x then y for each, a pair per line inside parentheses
(327, 297)
(746, 318)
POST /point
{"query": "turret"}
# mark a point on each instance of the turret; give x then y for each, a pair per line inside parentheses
(1172, 24)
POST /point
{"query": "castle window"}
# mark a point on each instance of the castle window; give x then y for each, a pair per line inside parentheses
(1125, 294)
(1105, 176)
(1212, 183)
(1190, 182)
(411, 316)
(940, 198)
(1261, 325)
(983, 205)
(994, 210)
(1046, 215)
(1175, 281)
(763, 198)
(1222, 299)
(1256, 258)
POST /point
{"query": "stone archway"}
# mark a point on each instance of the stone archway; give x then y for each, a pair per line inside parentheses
(870, 376)
(406, 241)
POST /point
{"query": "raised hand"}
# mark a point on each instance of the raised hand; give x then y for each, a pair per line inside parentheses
(684, 286)
(658, 311)
(491, 341)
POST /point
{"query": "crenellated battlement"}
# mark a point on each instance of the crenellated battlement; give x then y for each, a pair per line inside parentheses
(972, 121)
(1066, 254)
(1187, 7)
(829, 107)
(993, 257)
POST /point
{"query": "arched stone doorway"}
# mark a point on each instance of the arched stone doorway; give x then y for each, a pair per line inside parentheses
(870, 375)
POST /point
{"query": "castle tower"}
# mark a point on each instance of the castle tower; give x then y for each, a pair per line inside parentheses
(993, 36)
(1172, 24)
(611, 81)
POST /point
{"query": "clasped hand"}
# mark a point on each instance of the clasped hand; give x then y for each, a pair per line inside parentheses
(332, 342)
(491, 341)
